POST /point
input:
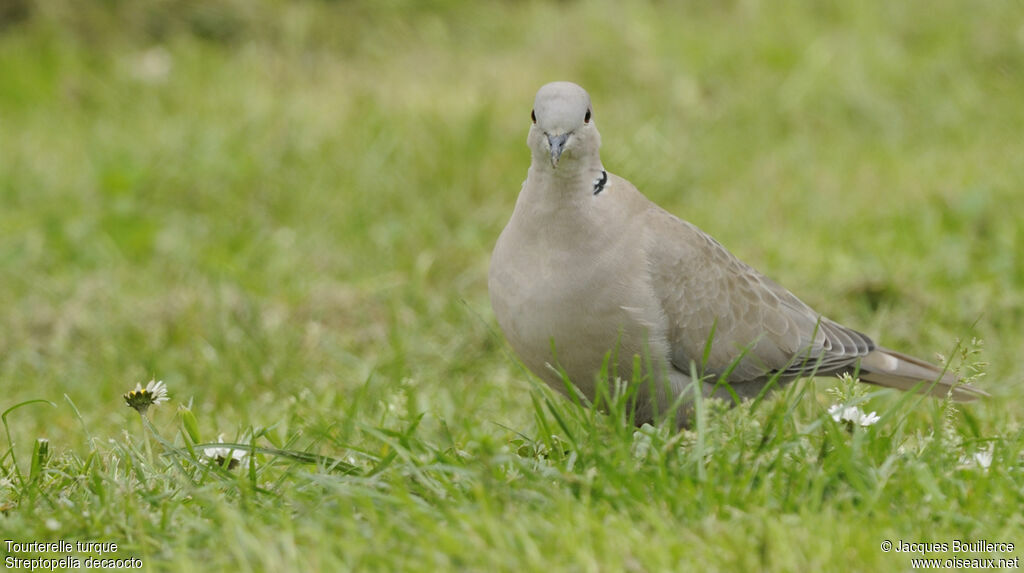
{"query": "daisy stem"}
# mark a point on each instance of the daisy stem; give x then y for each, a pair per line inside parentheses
(146, 428)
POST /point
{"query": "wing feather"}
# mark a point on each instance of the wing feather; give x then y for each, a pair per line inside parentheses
(703, 287)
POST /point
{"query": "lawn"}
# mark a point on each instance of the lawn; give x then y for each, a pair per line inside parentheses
(285, 212)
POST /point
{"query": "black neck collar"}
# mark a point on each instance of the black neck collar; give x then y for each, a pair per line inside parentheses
(600, 183)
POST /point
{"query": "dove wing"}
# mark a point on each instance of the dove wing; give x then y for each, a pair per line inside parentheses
(703, 287)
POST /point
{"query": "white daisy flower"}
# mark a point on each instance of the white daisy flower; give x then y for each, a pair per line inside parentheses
(852, 415)
(219, 456)
(869, 419)
(142, 398)
(981, 458)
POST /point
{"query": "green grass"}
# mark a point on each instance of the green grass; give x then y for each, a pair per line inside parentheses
(285, 211)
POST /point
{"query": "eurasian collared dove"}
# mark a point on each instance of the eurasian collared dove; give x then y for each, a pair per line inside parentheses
(589, 274)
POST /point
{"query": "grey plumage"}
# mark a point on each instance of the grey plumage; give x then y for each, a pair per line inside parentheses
(588, 266)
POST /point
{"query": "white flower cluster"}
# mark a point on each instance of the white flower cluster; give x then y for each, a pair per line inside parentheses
(853, 415)
(219, 456)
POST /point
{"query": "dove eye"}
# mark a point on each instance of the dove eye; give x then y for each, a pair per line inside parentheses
(586, 118)
(533, 116)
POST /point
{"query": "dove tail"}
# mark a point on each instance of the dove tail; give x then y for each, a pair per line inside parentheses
(892, 369)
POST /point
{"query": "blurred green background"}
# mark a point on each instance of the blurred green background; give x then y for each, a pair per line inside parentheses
(267, 204)
(262, 198)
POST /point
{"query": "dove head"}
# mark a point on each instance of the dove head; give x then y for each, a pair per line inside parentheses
(563, 126)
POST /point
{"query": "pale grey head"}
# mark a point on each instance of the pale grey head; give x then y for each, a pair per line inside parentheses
(563, 125)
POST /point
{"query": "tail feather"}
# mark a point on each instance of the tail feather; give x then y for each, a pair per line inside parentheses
(896, 370)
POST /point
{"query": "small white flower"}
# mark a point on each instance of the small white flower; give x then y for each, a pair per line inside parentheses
(869, 419)
(232, 456)
(642, 441)
(852, 415)
(141, 398)
(52, 524)
(984, 459)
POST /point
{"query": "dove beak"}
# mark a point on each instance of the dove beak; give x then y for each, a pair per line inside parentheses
(557, 143)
